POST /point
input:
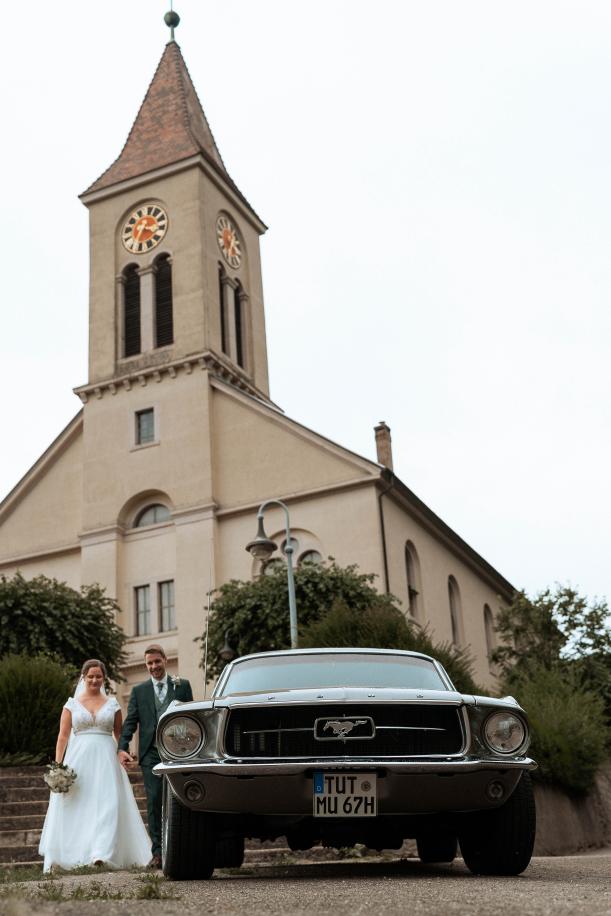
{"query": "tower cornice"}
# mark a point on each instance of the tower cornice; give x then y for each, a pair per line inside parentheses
(143, 375)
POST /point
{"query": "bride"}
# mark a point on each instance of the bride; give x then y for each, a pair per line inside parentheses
(97, 821)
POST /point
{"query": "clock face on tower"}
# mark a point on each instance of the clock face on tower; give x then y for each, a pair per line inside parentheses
(229, 241)
(144, 228)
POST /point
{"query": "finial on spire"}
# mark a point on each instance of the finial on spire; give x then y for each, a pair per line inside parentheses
(172, 20)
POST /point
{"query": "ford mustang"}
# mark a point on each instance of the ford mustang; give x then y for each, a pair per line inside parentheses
(345, 746)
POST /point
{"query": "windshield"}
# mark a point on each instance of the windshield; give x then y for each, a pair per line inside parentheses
(262, 675)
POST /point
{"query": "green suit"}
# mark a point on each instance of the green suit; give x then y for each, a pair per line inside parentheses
(143, 712)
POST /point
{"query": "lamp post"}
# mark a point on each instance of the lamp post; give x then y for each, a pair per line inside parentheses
(263, 547)
(227, 654)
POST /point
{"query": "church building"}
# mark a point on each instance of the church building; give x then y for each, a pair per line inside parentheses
(152, 490)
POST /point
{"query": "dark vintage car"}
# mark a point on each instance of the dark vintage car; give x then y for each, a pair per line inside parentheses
(345, 746)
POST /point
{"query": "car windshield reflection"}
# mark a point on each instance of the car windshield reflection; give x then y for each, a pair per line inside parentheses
(264, 675)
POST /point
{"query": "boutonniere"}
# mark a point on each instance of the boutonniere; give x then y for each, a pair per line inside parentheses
(175, 681)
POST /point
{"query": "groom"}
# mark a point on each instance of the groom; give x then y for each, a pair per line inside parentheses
(146, 704)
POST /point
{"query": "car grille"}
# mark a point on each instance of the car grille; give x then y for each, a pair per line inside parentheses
(401, 730)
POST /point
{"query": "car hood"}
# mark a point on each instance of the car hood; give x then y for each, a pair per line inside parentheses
(333, 695)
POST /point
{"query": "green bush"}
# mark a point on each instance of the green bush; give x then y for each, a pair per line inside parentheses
(32, 693)
(386, 628)
(568, 726)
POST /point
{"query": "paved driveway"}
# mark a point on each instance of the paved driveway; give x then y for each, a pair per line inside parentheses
(567, 885)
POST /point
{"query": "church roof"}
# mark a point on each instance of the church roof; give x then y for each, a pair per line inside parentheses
(170, 126)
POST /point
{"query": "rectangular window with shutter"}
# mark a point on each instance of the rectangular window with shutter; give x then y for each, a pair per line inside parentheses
(167, 612)
(142, 598)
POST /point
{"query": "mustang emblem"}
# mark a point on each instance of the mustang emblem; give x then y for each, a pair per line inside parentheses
(342, 727)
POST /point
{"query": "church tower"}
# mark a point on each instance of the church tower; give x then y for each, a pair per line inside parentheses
(175, 265)
(175, 301)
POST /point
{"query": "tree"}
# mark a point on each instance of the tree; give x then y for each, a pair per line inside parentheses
(554, 625)
(556, 629)
(388, 628)
(42, 616)
(556, 659)
(336, 606)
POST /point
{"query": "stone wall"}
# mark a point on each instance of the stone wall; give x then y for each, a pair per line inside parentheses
(568, 824)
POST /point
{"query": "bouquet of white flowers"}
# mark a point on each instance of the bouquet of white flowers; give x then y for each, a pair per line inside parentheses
(60, 777)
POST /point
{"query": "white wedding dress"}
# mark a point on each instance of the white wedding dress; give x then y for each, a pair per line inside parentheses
(98, 818)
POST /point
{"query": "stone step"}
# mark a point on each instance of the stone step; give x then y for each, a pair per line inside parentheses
(21, 771)
(8, 809)
(10, 838)
(24, 793)
(22, 822)
(36, 803)
(20, 782)
(10, 854)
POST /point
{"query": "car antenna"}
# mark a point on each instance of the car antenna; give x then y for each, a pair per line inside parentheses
(207, 622)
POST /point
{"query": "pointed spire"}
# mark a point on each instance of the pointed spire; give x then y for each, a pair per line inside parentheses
(170, 126)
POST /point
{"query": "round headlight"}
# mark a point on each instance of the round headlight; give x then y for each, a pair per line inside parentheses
(504, 733)
(182, 736)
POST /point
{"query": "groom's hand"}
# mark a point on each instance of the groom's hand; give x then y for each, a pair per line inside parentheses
(126, 760)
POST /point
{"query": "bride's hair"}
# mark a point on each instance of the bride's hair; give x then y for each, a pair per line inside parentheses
(93, 663)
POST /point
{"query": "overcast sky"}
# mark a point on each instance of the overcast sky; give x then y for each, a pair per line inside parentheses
(436, 177)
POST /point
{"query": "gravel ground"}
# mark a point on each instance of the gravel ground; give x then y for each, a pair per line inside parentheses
(567, 885)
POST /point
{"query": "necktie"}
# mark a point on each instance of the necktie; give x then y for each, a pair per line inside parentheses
(160, 686)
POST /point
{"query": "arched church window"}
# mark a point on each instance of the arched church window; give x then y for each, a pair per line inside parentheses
(239, 324)
(310, 557)
(490, 633)
(164, 322)
(272, 566)
(152, 515)
(224, 342)
(131, 311)
(412, 574)
(455, 611)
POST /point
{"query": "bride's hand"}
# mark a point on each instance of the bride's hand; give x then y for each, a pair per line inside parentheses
(126, 760)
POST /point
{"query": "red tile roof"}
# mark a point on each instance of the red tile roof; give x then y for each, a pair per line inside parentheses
(170, 126)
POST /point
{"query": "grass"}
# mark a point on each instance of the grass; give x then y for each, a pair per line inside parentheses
(55, 891)
(151, 888)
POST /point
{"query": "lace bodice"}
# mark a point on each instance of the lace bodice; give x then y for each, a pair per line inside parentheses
(84, 721)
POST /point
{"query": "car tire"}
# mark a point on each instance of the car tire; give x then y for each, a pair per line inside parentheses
(229, 852)
(187, 840)
(500, 842)
(442, 848)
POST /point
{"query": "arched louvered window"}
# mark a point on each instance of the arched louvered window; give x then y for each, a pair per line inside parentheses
(455, 611)
(224, 342)
(131, 311)
(164, 323)
(239, 325)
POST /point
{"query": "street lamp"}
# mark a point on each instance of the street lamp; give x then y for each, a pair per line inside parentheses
(226, 654)
(263, 547)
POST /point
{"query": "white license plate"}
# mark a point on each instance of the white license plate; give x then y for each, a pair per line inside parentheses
(345, 794)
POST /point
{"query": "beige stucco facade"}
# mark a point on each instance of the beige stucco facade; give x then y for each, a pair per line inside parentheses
(220, 447)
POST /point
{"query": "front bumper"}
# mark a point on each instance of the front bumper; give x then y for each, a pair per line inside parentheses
(284, 787)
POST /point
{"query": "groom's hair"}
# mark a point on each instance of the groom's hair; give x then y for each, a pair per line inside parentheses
(154, 650)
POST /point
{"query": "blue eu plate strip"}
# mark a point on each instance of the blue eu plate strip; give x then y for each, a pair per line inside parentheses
(319, 782)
